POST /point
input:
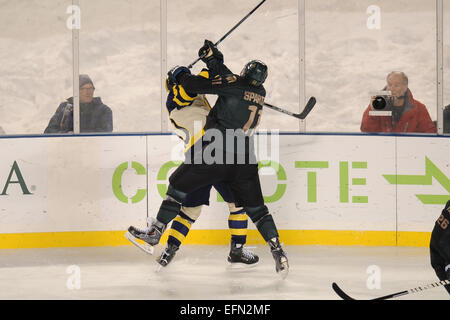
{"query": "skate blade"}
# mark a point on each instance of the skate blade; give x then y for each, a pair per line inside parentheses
(140, 244)
(238, 266)
(284, 271)
(159, 268)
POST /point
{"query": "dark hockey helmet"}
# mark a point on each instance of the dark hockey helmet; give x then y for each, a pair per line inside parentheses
(255, 72)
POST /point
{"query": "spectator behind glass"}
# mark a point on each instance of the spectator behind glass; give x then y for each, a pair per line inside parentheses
(94, 115)
(447, 119)
(408, 114)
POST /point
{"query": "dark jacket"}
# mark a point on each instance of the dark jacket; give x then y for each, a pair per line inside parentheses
(239, 104)
(415, 118)
(238, 107)
(94, 117)
(447, 119)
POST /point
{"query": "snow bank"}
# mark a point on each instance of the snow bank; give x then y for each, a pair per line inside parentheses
(120, 50)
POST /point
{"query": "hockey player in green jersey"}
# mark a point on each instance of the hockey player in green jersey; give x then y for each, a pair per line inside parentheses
(228, 156)
(187, 113)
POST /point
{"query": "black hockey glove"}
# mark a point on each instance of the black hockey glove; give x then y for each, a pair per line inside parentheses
(174, 73)
(210, 52)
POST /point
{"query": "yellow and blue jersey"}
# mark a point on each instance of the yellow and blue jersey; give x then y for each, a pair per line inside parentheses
(187, 112)
(178, 97)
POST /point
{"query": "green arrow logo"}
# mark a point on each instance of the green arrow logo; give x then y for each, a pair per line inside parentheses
(424, 180)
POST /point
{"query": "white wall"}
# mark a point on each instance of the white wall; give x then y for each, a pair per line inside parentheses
(71, 183)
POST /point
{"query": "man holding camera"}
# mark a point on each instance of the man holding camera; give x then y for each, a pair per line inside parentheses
(95, 116)
(407, 114)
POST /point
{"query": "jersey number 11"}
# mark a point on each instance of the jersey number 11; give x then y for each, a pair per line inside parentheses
(253, 110)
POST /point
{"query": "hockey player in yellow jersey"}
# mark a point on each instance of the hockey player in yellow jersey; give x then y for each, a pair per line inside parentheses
(187, 113)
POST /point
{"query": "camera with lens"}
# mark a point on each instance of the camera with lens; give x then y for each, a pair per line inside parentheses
(383, 100)
(66, 123)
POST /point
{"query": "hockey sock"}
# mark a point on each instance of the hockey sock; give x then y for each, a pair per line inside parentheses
(238, 224)
(179, 229)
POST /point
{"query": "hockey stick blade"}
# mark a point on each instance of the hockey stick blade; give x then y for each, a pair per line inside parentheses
(345, 296)
(309, 106)
(340, 293)
(306, 110)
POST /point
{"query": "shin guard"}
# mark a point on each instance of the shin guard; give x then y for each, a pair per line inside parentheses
(171, 205)
(263, 221)
(168, 210)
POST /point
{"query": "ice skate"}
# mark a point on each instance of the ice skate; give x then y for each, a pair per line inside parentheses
(167, 255)
(239, 257)
(281, 261)
(146, 238)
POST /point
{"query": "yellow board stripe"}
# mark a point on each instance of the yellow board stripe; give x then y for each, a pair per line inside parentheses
(62, 239)
(218, 237)
(413, 239)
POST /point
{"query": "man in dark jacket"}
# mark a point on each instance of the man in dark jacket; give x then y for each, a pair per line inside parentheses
(447, 119)
(94, 115)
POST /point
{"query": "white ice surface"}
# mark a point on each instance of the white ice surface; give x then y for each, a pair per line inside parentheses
(200, 273)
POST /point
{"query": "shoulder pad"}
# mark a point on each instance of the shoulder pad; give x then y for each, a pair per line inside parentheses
(204, 73)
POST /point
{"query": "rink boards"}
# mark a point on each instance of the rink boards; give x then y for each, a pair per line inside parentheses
(323, 189)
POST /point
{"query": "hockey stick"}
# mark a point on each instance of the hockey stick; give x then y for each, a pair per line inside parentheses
(231, 30)
(306, 110)
(345, 296)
